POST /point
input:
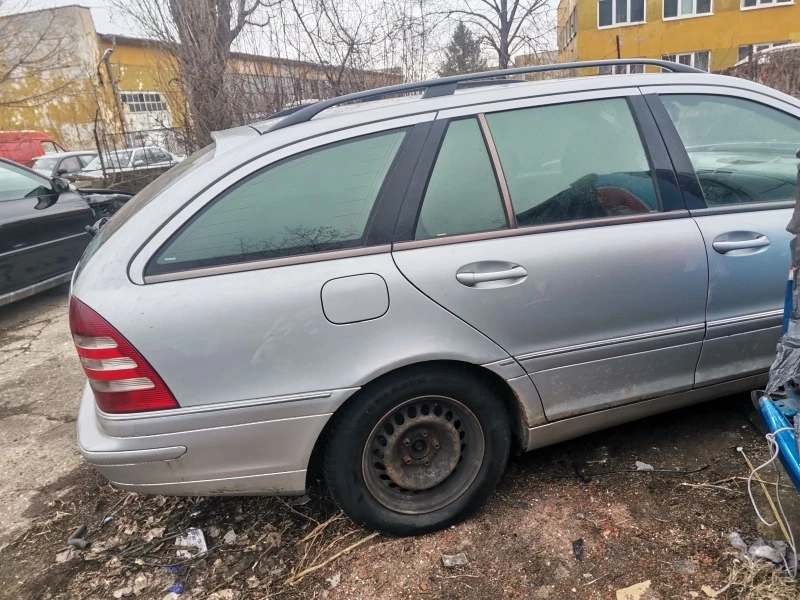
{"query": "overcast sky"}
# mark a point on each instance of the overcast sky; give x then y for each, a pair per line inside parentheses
(104, 20)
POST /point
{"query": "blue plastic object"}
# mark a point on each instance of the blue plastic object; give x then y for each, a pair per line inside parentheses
(775, 420)
(787, 306)
(789, 405)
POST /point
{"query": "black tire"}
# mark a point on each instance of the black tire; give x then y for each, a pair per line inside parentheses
(464, 416)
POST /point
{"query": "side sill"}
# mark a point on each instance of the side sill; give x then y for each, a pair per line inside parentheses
(566, 429)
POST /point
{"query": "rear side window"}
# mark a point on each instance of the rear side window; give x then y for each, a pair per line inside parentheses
(321, 200)
(566, 162)
(753, 161)
(462, 194)
(154, 155)
(154, 189)
(70, 164)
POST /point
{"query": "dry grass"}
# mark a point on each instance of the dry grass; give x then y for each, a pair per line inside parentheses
(759, 581)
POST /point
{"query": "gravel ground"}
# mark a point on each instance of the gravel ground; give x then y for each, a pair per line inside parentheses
(571, 521)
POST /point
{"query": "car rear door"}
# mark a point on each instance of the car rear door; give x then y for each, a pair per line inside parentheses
(42, 233)
(555, 227)
(735, 150)
(290, 251)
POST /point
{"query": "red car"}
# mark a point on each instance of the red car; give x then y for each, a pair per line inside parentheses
(24, 146)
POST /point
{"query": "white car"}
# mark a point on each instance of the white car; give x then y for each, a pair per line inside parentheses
(128, 159)
(58, 164)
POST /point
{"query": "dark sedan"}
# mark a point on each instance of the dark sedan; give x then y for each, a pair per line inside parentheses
(43, 229)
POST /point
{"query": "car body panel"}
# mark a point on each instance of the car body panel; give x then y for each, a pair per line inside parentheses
(742, 311)
(555, 309)
(745, 299)
(608, 323)
(256, 342)
(204, 460)
(41, 236)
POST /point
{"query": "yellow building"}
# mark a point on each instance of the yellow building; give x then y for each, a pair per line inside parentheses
(707, 34)
(86, 88)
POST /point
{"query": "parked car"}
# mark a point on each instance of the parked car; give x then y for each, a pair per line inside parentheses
(24, 147)
(404, 290)
(63, 163)
(43, 229)
(129, 159)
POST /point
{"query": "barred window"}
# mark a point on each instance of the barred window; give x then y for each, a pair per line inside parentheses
(143, 101)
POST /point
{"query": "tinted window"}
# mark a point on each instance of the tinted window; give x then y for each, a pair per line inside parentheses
(462, 194)
(573, 161)
(605, 8)
(321, 200)
(154, 155)
(17, 183)
(753, 161)
(151, 191)
(113, 160)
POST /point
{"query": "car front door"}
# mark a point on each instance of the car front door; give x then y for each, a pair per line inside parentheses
(736, 152)
(557, 230)
(42, 232)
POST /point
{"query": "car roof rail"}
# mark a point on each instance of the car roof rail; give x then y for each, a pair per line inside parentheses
(447, 86)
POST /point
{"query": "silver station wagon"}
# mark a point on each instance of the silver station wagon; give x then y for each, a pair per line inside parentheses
(406, 284)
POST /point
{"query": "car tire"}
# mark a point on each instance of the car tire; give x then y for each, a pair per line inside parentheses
(418, 451)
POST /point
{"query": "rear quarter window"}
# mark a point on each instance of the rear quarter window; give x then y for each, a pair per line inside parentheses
(318, 201)
(147, 195)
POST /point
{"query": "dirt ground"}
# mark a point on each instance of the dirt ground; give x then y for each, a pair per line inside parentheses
(571, 521)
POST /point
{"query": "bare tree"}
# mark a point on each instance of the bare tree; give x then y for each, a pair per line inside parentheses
(339, 36)
(778, 68)
(361, 45)
(506, 26)
(199, 34)
(32, 50)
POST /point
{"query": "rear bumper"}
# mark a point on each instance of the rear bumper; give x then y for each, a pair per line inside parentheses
(178, 455)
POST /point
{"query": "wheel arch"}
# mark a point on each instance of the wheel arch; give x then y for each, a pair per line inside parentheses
(505, 395)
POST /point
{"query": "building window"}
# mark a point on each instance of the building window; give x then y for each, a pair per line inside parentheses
(619, 12)
(620, 70)
(572, 25)
(674, 9)
(744, 51)
(143, 101)
(746, 4)
(699, 60)
(569, 30)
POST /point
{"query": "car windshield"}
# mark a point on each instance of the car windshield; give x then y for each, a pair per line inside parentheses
(113, 160)
(45, 164)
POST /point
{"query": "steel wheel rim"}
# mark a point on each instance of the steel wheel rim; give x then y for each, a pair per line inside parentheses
(423, 454)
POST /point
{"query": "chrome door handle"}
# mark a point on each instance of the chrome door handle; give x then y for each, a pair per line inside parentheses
(471, 279)
(724, 247)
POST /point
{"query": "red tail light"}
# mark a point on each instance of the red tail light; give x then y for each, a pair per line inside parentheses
(120, 377)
